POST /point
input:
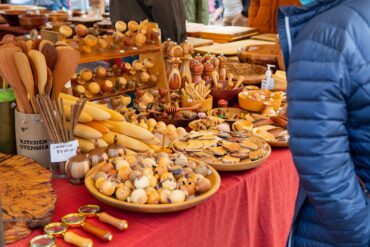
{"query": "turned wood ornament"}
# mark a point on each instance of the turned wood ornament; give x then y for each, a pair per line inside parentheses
(197, 71)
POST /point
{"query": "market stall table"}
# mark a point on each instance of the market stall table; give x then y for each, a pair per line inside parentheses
(253, 208)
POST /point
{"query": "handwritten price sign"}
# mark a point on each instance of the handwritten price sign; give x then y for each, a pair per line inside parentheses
(61, 152)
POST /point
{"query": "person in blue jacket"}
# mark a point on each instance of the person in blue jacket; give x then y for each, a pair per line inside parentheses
(326, 45)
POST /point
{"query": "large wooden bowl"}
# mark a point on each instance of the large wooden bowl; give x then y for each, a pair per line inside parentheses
(149, 208)
(29, 21)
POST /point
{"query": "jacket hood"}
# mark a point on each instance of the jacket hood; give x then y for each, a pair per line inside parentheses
(292, 19)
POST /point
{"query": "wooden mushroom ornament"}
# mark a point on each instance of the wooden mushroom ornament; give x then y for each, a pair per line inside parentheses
(116, 149)
(97, 155)
(76, 167)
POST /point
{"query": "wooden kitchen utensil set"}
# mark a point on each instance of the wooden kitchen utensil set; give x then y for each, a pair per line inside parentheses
(36, 68)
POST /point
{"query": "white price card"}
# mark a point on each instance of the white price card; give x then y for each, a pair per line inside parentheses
(61, 152)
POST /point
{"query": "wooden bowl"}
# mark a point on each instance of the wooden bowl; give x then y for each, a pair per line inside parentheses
(148, 208)
(58, 17)
(28, 21)
(253, 74)
(250, 105)
(206, 104)
(230, 95)
(259, 54)
(12, 16)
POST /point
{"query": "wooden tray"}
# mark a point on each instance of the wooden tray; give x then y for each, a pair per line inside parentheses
(146, 208)
(229, 49)
(28, 199)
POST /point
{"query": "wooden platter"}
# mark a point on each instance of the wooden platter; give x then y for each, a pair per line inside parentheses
(214, 177)
(28, 199)
(229, 49)
(253, 74)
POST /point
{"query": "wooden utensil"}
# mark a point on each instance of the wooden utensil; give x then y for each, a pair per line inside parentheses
(215, 78)
(239, 81)
(230, 84)
(49, 83)
(65, 66)
(50, 54)
(9, 72)
(25, 72)
(39, 62)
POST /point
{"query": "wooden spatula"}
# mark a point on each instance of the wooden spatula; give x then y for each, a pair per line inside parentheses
(50, 53)
(25, 72)
(10, 73)
(65, 66)
(39, 63)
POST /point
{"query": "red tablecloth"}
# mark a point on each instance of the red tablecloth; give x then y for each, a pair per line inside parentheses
(253, 208)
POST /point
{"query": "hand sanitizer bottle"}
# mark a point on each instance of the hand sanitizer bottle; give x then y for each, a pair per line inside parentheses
(268, 83)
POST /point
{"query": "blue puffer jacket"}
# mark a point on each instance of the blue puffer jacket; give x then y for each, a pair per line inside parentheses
(327, 49)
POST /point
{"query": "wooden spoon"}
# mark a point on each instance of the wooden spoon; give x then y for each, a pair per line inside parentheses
(50, 54)
(39, 62)
(10, 73)
(25, 72)
(64, 68)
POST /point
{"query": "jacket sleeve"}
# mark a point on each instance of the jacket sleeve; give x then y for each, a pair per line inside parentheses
(317, 92)
(253, 11)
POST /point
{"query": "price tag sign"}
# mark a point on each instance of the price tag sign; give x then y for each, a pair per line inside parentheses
(61, 152)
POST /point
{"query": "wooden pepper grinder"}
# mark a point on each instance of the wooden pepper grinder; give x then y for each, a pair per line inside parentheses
(199, 58)
(207, 75)
(185, 72)
(222, 69)
(174, 79)
(165, 46)
(197, 72)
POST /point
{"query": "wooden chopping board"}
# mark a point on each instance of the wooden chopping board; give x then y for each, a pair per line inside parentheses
(229, 49)
(28, 199)
(198, 42)
(221, 34)
(271, 37)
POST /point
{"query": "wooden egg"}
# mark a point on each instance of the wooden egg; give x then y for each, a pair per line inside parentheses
(107, 86)
(144, 77)
(102, 44)
(93, 87)
(133, 26)
(90, 40)
(122, 192)
(81, 30)
(66, 31)
(139, 39)
(153, 196)
(139, 196)
(86, 74)
(100, 72)
(120, 26)
(107, 188)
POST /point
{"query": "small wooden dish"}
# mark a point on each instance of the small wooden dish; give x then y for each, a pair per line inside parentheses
(148, 208)
(230, 111)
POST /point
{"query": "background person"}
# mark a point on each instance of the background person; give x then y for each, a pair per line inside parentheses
(169, 14)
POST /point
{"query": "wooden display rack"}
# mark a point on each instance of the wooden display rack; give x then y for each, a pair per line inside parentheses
(152, 51)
